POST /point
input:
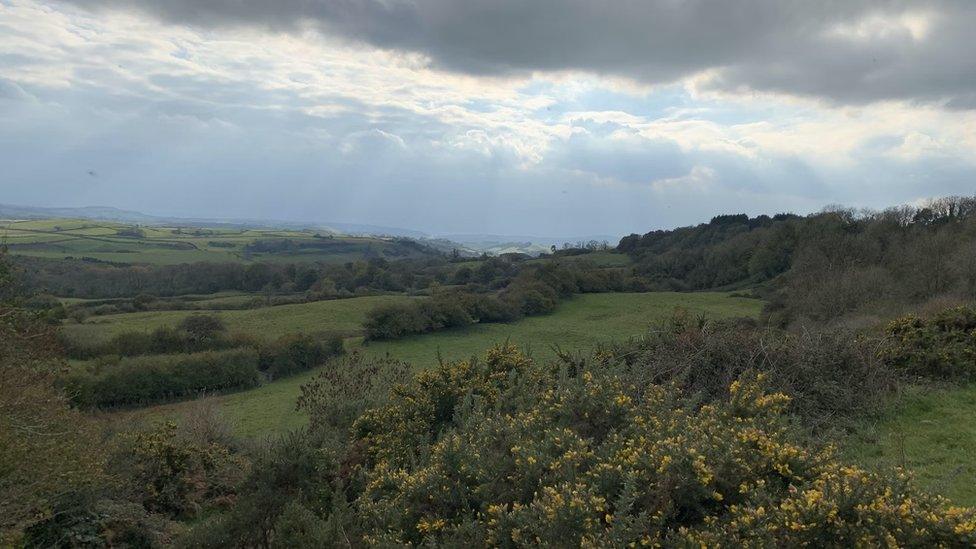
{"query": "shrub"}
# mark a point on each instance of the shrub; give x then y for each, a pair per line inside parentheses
(173, 476)
(296, 353)
(507, 453)
(834, 374)
(143, 380)
(202, 327)
(941, 346)
(531, 298)
(291, 473)
(393, 321)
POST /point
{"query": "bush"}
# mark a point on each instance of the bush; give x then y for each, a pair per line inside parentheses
(531, 298)
(162, 340)
(506, 453)
(202, 327)
(942, 346)
(144, 380)
(834, 375)
(296, 353)
(393, 321)
(173, 476)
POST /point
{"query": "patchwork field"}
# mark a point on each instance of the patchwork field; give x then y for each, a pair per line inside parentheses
(116, 242)
(578, 324)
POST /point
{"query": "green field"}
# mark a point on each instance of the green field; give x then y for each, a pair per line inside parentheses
(577, 324)
(931, 432)
(107, 241)
(339, 315)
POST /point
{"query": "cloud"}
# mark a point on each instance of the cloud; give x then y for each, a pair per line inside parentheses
(243, 122)
(844, 51)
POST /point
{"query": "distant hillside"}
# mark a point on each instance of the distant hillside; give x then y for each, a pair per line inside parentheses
(132, 243)
(834, 264)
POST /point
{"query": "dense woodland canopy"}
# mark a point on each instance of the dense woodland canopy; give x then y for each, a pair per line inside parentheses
(836, 263)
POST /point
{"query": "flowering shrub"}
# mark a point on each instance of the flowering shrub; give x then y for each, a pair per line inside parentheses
(942, 346)
(506, 452)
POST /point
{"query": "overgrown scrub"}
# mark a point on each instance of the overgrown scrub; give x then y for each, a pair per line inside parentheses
(507, 453)
(157, 478)
(142, 380)
(580, 452)
(941, 346)
(833, 375)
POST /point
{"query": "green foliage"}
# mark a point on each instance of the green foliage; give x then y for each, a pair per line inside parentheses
(202, 327)
(296, 353)
(172, 475)
(143, 380)
(338, 395)
(505, 452)
(834, 375)
(535, 290)
(46, 448)
(85, 520)
(290, 485)
(162, 340)
(942, 346)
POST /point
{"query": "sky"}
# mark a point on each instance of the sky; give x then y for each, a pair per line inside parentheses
(548, 117)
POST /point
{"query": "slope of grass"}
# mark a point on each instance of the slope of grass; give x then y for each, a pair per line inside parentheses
(577, 324)
(339, 315)
(931, 432)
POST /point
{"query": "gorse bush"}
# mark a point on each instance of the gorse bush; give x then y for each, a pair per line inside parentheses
(942, 346)
(507, 452)
(143, 380)
(834, 375)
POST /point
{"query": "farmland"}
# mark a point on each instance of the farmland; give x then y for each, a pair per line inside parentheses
(578, 324)
(122, 243)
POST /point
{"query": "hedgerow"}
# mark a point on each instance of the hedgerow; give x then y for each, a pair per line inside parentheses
(295, 353)
(142, 380)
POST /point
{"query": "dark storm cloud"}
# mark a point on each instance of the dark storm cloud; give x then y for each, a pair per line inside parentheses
(790, 46)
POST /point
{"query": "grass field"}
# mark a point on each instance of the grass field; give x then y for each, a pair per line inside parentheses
(578, 324)
(339, 315)
(107, 241)
(931, 432)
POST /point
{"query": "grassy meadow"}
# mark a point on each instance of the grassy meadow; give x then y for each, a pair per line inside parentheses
(929, 431)
(579, 323)
(338, 315)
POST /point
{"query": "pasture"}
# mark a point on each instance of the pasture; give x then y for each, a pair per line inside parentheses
(578, 324)
(930, 431)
